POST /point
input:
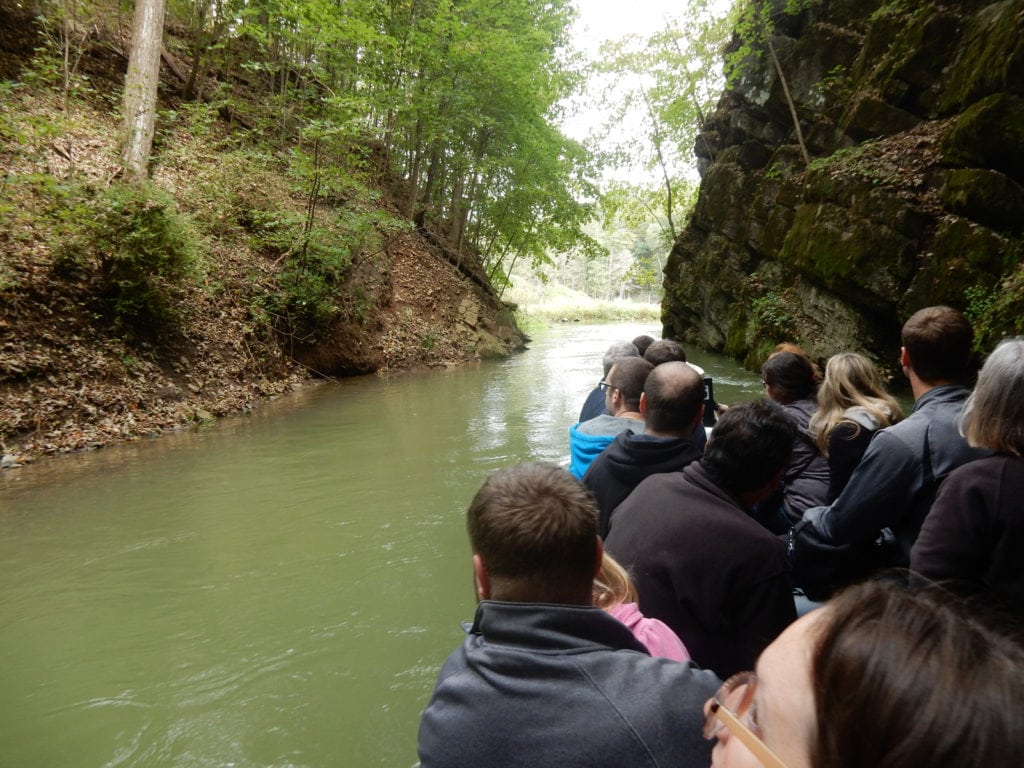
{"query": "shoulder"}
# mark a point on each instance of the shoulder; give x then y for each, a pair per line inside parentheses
(657, 486)
(991, 468)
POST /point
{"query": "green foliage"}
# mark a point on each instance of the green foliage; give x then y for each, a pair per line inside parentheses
(995, 312)
(753, 23)
(129, 246)
(316, 262)
(665, 85)
(862, 160)
(770, 318)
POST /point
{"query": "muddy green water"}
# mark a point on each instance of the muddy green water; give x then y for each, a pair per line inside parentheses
(279, 589)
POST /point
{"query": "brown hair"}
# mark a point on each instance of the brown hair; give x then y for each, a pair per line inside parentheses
(909, 676)
(665, 351)
(788, 346)
(789, 376)
(673, 393)
(642, 343)
(629, 375)
(938, 341)
(535, 527)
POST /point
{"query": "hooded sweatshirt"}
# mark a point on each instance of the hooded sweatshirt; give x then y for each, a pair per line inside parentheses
(627, 460)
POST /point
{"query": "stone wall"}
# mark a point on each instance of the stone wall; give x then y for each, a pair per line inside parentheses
(913, 115)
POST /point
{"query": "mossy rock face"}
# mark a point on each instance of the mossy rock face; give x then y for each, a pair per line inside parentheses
(905, 73)
(989, 135)
(871, 117)
(988, 197)
(987, 253)
(855, 257)
(771, 214)
(807, 64)
(883, 31)
(724, 199)
(703, 275)
(991, 58)
(899, 208)
(963, 253)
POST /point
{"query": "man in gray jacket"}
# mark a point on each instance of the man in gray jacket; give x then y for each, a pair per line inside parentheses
(877, 517)
(544, 679)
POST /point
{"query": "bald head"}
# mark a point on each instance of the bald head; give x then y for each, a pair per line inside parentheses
(672, 400)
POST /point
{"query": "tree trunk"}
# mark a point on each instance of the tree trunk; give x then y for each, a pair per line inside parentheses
(789, 99)
(140, 86)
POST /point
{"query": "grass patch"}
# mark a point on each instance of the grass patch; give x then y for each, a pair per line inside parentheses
(554, 304)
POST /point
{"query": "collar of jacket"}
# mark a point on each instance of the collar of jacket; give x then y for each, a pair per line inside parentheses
(944, 393)
(551, 628)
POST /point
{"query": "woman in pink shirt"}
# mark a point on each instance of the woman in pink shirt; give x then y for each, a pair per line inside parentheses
(614, 592)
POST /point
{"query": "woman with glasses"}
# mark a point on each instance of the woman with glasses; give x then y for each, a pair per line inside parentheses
(882, 677)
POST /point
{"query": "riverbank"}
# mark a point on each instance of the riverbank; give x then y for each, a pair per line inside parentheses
(557, 304)
(82, 367)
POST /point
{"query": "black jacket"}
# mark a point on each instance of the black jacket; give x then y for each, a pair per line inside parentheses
(703, 566)
(630, 458)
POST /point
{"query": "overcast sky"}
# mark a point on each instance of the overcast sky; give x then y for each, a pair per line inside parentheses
(602, 20)
(611, 19)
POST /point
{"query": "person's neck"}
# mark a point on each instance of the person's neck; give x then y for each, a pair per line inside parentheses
(674, 435)
(920, 387)
(627, 414)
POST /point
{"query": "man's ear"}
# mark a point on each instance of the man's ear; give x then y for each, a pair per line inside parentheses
(481, 579)
(643, 403)
(904, 358)
(700, 418)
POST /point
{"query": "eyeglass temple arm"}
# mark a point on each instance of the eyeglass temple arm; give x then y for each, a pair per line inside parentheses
(740, 731)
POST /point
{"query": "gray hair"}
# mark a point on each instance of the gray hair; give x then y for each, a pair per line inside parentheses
(617, 351)
(993, 416)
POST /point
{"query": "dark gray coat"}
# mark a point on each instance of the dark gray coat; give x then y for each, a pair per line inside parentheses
(555, 686)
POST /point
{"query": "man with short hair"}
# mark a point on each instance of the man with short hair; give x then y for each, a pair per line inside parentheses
(700, 562)
(595, 402)
(668, 350)
(877, 517)
(545, 679)
(622, 389)
(672, 405)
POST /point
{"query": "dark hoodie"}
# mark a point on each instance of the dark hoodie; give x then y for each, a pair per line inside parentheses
(630, 458)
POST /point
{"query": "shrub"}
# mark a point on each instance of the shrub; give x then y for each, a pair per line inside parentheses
(130, 246)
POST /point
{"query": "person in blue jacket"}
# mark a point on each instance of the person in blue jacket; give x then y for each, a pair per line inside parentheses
(622, 387)
(595, 402)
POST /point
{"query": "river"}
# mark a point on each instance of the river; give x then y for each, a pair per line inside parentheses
(278, 589)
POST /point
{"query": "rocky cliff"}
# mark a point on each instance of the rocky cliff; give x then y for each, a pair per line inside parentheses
(912, 114)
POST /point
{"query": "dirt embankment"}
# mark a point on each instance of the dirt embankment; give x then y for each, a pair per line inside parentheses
(69, 382)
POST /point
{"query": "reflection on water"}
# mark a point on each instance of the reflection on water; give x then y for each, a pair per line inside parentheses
(278, 589)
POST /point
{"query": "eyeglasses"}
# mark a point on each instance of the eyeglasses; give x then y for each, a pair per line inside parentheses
(730, 707)
(604, 386)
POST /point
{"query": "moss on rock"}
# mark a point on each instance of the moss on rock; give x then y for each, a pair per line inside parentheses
(991, 59)
(990, 134)
(988, 197)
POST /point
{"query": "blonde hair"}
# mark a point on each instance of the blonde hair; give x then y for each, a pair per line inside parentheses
(613, 585)
(851, 380)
